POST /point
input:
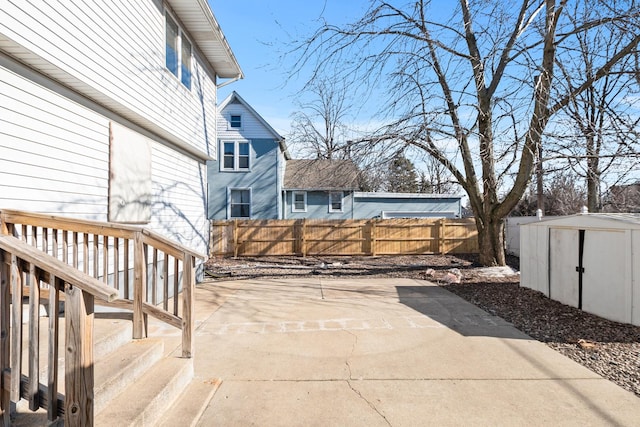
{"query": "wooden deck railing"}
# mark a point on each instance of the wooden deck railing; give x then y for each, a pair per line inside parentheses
(142, 271)
(23, 265)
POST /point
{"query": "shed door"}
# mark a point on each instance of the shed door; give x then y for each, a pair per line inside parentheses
(604, 282)
(563, 259)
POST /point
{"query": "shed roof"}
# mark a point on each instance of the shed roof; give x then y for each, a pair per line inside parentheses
(321, 174)
(615, 220)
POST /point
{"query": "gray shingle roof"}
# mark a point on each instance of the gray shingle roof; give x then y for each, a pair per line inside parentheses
(320, 174)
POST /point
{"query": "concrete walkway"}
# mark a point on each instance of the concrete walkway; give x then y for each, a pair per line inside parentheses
(383, 352)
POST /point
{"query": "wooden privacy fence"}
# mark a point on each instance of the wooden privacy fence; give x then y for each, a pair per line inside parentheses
(343, 237)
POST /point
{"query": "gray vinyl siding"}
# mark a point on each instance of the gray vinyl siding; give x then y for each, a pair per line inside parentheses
(115, 53)
(373, 207)
(261, 179)
(54, 153)
(54, 159)
(318, 206)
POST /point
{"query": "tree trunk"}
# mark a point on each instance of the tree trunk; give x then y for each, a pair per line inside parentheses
(491, 241)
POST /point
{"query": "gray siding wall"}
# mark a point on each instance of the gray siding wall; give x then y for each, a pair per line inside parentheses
(54, 158)
(373, 207)
(114, 52)
(261, 179)
(318, 206)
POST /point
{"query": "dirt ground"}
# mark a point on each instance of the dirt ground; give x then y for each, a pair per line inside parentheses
(608, 348)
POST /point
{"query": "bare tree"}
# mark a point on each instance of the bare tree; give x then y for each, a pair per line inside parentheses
(472, 90)
(318, 129)
(597, 131)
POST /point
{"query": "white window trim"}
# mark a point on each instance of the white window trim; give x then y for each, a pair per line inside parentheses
(236, 155)
(181, 35)
(331, 193)
(229, 190)
(293, 201)
(229, 127)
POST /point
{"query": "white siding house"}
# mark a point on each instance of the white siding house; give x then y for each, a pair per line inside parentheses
(107, 110)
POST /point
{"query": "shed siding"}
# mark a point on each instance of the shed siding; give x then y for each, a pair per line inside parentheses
(115, 50)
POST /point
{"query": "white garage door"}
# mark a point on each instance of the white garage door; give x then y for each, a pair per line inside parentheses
(563, 254)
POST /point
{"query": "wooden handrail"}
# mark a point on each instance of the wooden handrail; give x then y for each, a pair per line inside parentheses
(110, 229)
(57, 268)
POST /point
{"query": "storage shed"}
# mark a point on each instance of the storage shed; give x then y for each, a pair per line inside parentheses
(589, 261)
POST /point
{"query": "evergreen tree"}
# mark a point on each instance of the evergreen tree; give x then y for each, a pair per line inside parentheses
(402, 175)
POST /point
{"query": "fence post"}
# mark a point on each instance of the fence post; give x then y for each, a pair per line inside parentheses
(373, 237)
(303, 237)
(188, 302)
(235, 238)
(139, 285)
(78, 403)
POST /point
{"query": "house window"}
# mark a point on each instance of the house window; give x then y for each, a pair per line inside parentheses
(235, 121)
(235, 155)
(240, 203)
(335, 201)
(299, 201)
(178, 52)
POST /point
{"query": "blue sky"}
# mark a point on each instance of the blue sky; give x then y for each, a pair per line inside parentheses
(258, 32)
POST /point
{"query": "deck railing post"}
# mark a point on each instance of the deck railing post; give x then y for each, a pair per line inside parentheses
(5, 401)
(139, 286)
(78, 403)
(188, 302)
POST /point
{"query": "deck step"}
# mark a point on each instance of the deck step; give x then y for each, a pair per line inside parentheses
(189, 407)
(122, 367)
(144, 402)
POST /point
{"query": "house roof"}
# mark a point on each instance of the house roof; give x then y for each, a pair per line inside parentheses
(234, 97)
(409, 196)
(321, 174)
(203, 27)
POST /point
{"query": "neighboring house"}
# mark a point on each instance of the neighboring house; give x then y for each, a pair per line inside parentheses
(623, 198)
(245, 181)
(108, 110)
(407, 205)
(319, 188)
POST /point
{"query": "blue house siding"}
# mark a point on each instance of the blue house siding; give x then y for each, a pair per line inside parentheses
(264, 159)
(371, 207)
(318, 206)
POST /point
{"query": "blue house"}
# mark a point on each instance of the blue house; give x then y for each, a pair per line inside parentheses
(245, 181)
(254, 177)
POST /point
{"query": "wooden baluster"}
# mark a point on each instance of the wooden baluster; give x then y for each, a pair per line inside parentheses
(54, 329)
(105, 259)
(188, 302)
(96, 256)
(79, 380)
(65, 247)
(34, 338)
(75, 249)
(16, 331)
(24, 233)
(165, 282)
(116, 263)
(176, 285)
(85, 253)
(126, 269)
(154, 278)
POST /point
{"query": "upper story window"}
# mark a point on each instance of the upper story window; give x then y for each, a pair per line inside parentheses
(235, 155)
(178, 52)
(299, 201)
(235, 121)
(335, 201)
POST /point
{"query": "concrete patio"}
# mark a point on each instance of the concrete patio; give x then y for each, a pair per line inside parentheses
(380, 352)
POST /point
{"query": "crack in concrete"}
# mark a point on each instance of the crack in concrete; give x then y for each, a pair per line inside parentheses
(350, 379)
